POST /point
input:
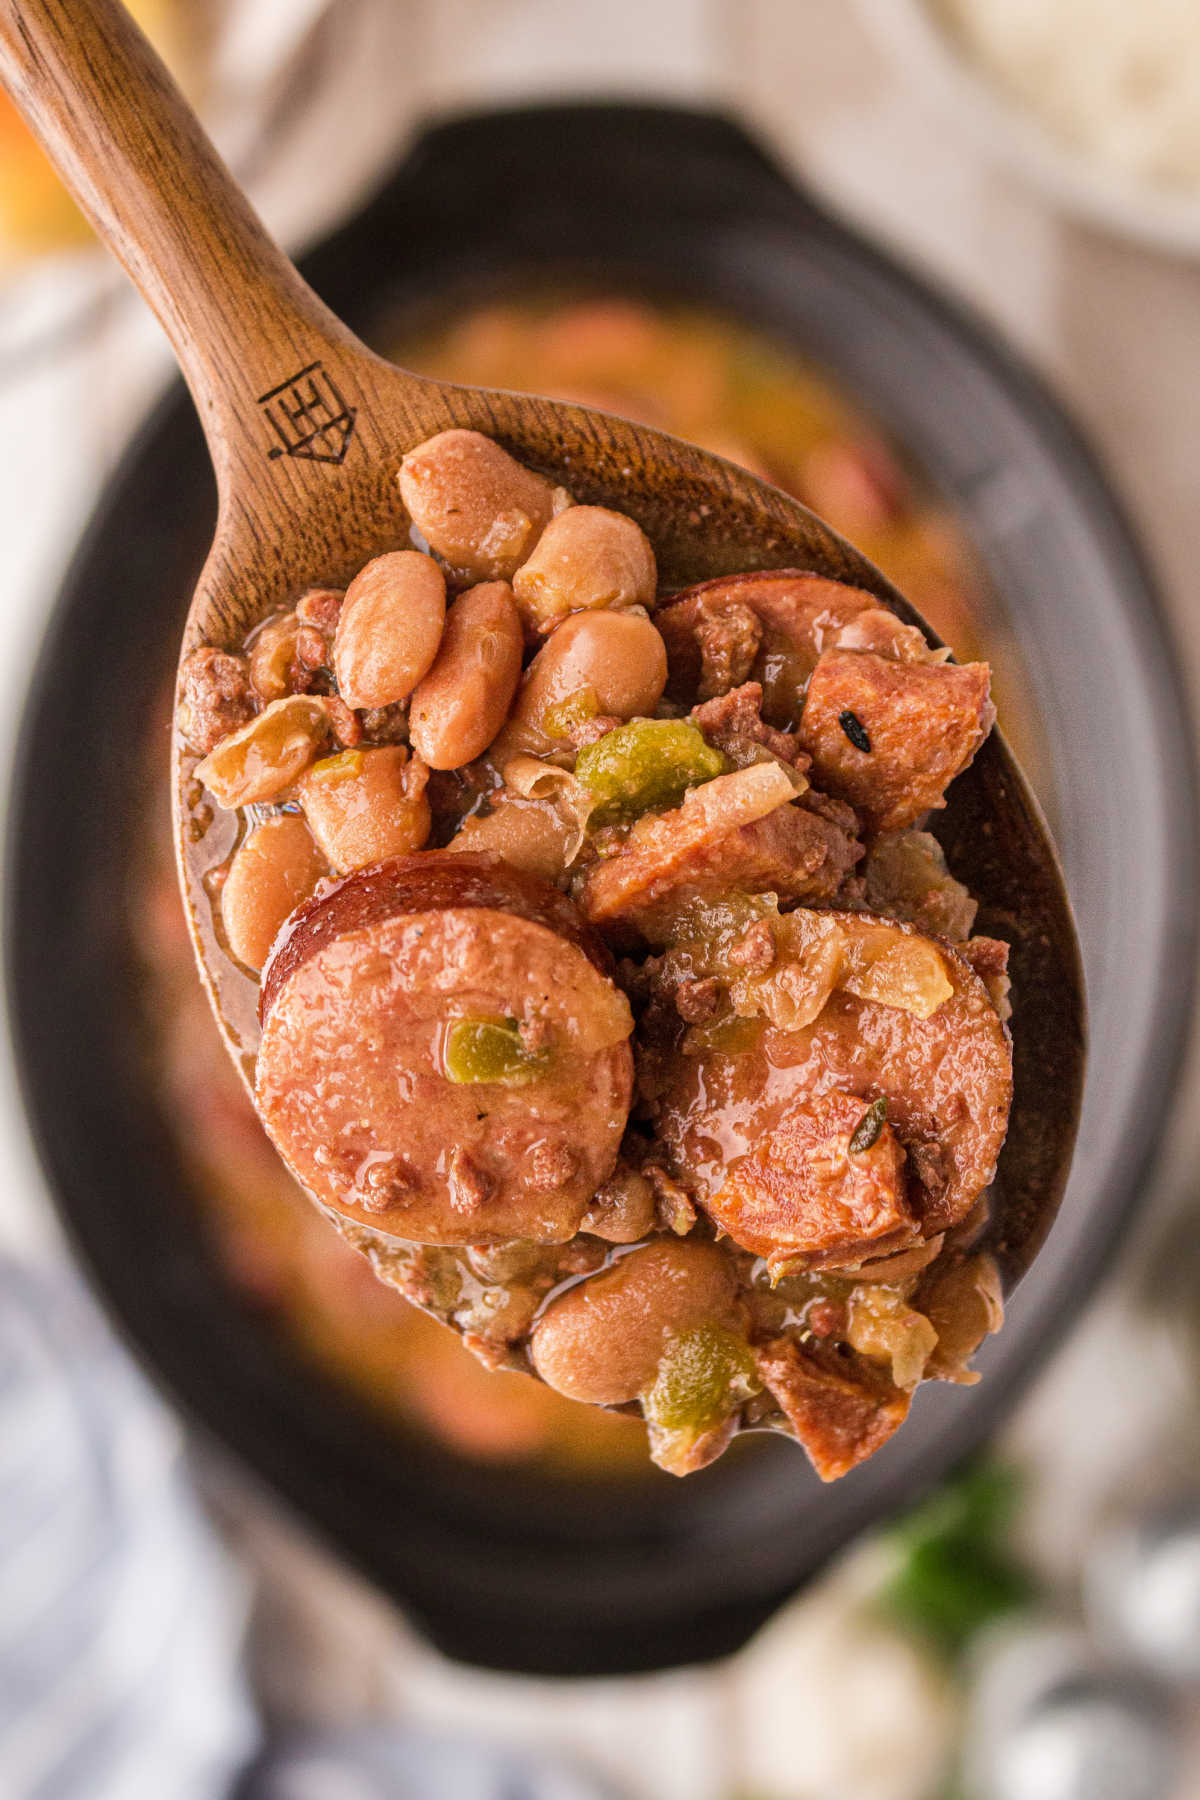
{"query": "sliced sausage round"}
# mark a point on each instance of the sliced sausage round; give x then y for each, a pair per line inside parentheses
(947, 1081)
(816, 1190)
(889, 737)
(444, 1055)
(737, 832)
(771, 625)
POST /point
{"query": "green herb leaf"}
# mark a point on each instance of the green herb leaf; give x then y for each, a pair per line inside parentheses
(947, 1590)
(855, 730)
(866, 1132)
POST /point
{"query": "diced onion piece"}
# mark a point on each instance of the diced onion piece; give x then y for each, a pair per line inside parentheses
(530, 778)
(895, 968)
(884, 1326)
(262, 759)
(810, 953)
(738, 798)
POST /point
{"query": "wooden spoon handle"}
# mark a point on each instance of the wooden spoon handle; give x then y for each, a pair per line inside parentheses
(239, 317)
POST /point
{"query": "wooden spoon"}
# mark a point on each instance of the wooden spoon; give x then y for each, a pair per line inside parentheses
(306, 427)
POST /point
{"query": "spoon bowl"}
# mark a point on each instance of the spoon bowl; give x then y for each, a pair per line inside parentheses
(307, 427)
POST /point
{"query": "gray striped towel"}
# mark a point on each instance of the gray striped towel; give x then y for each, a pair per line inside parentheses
(120, 1616)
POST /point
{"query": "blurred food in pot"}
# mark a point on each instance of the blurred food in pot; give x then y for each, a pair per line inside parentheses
(731, 390)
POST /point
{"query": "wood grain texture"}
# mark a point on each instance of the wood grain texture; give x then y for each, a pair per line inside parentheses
(307, 427)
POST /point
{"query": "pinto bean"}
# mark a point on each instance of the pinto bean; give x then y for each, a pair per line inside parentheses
(603, 1340)
(460, 705)
(607, 663)
(587, 557)
(275, 868)
(963, 1301)
(389, 628)
(269, 754)
(624, 1209)
(365, 805)
(474, 505)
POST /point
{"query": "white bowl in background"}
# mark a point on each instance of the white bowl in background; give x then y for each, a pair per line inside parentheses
(926, 50)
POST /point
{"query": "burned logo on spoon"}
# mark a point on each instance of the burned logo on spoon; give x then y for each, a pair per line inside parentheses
(309, 416)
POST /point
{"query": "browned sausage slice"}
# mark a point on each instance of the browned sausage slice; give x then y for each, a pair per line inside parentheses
(947, 1080)
(444, 1055)
(889, 737)
(839, 1407)
(713, 843)
(771, 626)
(808, 1191)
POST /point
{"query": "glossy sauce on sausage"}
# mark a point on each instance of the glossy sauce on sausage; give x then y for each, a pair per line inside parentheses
(947, 1081)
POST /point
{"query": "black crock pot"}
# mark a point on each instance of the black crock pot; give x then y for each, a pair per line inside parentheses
(501, 1568)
